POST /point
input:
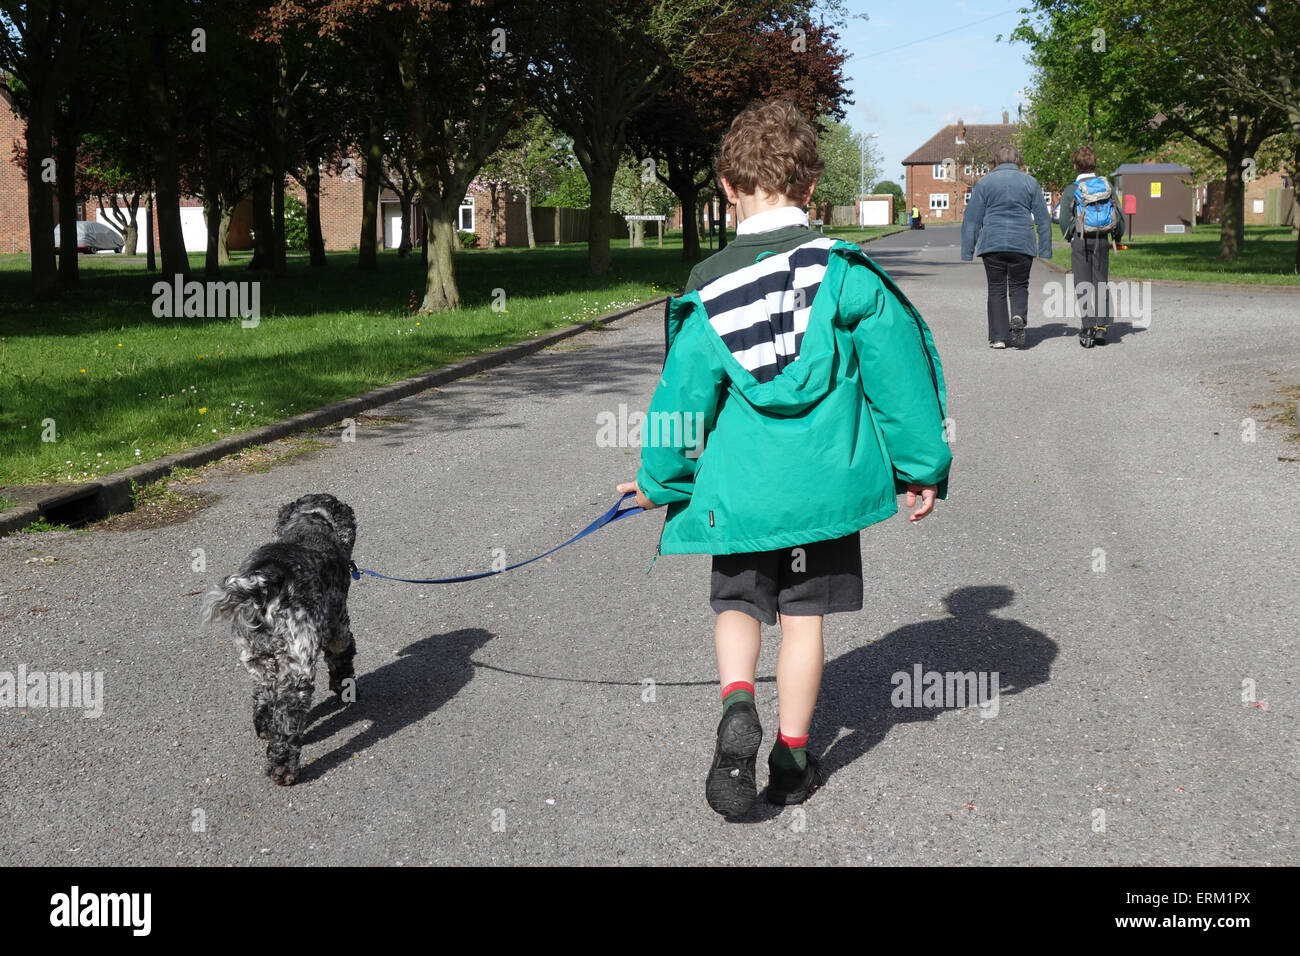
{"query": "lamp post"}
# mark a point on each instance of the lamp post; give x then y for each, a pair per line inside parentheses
(862, 171)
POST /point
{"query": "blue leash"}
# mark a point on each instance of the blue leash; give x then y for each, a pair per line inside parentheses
(609, 517)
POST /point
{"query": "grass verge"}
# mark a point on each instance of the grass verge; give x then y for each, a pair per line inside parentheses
(96, 382)
(1267, 257)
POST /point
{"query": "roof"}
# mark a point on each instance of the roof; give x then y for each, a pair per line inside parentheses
(943, 144)
(1151, 168)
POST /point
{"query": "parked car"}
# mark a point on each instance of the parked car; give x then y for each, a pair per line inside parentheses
(94, 237)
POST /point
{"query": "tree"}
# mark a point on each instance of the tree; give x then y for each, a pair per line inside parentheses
(40, 45)
(606, 61)
(768, 49)
(460, 74)
(638, 192)
(532, 160)
(850, 160)
(1147, 76)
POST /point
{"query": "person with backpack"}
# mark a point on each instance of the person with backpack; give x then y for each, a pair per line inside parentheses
(1005, 223)
(1090, 218)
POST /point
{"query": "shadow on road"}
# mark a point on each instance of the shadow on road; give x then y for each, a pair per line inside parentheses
(858, 687)
(1037, 334)
(424, 676)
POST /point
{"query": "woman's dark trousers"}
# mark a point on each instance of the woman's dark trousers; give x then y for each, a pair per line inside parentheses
(1008, 275)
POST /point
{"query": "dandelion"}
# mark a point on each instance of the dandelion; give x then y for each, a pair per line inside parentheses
(203, 411)
(83, 371)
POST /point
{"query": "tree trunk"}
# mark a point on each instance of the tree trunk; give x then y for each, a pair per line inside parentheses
(223, 234)
(130, 228)
(722, 221)
(599, 228)
(528, 216)
(315, 234)
(368, 248)
(405, 244)
(690, 227)
(213, 216)
(40, 207)
(171, 240)
(279, 265)
(492, 218)
(440, 292)
(66, 166)
(263, 225)
(1234, 204)
(151, 262)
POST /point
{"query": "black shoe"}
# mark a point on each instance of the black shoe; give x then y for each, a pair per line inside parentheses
(788, 787)
(731, 788)
(1018, 331)
(1099, 335)
(1086, 336)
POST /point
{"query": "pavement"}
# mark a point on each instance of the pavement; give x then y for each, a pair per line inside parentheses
(1113, 548)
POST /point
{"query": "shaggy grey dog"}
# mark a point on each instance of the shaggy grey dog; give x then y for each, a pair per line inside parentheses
(287, 603)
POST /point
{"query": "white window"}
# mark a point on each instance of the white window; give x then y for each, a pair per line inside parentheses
(466, 215)
(966, 199)
(1047, 200)
(968, 169)
(982, 169)
(940, 171)
(938, 200)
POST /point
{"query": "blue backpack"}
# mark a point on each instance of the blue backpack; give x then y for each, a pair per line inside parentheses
(1095, 212)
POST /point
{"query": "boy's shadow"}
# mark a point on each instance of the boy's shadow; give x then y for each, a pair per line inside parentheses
(423, 677)
(858, 688)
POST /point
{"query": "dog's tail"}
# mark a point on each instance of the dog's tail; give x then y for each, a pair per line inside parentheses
(239, 596)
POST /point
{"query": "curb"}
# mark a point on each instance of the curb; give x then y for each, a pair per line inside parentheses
(111, 494)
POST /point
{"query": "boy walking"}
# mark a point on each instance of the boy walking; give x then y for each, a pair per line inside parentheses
(820, 397)
(1089, 220)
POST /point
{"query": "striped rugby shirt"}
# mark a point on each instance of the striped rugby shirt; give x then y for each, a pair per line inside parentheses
(759, 291)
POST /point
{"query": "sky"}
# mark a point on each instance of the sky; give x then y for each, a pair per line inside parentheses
(915, 67)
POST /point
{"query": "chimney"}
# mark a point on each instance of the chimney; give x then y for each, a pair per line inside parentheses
(961, 131)
(1006, 118)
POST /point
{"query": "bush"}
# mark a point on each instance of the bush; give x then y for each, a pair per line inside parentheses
(468, 240)
(295, 223)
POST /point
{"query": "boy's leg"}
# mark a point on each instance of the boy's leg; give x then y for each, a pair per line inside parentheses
(799, 672)
(743, 593)
(737, 638)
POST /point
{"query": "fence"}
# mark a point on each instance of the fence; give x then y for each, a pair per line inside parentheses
(554, 224)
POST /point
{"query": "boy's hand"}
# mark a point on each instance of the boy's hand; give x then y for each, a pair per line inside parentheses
(641, 499)
(927, 495)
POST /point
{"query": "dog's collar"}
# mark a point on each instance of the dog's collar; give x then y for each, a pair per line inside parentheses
(356, 573)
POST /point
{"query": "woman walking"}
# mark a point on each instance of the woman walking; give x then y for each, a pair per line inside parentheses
(1006, 208)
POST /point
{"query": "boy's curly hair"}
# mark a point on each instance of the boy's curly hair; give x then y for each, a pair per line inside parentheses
(770, 146)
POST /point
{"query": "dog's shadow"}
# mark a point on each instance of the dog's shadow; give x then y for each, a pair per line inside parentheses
(858, 688)
(423, 677)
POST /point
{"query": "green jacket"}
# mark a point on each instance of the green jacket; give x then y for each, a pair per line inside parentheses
(819, 394)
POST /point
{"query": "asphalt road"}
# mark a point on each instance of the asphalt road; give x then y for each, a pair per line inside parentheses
(510, 720)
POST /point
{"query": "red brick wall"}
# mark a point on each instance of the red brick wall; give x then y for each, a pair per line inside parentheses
(13, 185)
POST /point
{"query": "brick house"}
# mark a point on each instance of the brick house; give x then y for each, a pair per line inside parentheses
(941, 173)
(1269, 200)
(340, 207)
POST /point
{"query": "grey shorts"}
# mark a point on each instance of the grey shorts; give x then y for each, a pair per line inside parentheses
(819, 578)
